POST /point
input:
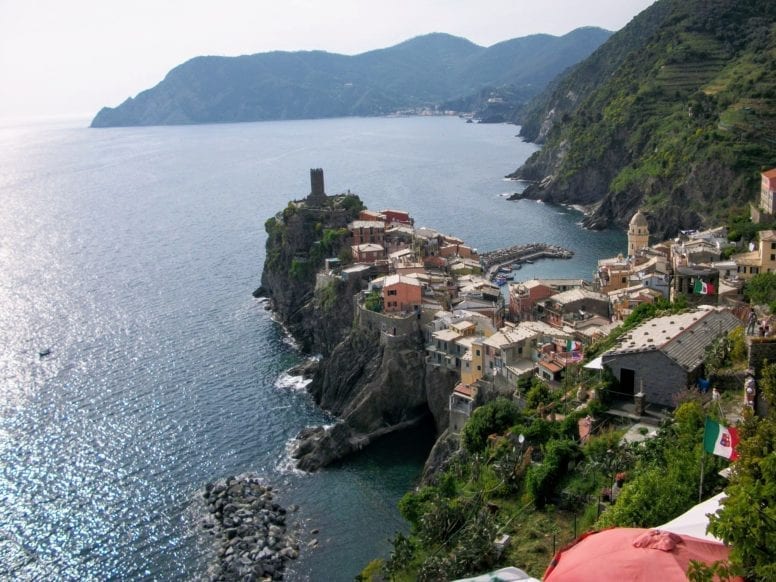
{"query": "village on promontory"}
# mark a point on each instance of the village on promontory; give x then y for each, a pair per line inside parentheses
(411, 325)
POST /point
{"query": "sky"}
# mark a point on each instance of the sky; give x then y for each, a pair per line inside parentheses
(62, 58)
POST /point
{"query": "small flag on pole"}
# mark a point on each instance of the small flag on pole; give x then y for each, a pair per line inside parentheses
(720, 440)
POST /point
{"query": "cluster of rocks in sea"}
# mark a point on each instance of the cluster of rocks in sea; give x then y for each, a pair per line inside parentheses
(252, 538)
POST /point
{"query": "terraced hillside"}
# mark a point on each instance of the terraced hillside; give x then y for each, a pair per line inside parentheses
(676, 113)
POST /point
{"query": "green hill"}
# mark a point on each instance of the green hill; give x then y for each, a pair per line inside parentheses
(421, 72)
(675, 113)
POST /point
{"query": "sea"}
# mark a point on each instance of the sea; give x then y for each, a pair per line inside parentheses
(129, 256)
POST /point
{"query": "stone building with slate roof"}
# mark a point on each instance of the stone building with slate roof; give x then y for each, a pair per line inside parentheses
(664, 355)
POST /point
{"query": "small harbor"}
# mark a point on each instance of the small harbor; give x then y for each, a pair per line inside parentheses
(510, 258)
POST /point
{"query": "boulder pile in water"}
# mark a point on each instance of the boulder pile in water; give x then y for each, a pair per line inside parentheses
(251, 536)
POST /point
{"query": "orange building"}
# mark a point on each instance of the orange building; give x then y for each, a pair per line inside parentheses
(768, 191)
(524, 296)
(396, 216)
(401, 293)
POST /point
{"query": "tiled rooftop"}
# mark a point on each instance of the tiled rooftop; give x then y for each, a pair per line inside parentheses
(682, 337)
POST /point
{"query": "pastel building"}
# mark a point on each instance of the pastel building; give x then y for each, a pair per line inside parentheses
(367, 253)
(768, 191)
(401, 293)
(760, 260)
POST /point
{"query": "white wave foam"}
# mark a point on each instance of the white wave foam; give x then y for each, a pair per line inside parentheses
(286, 464)
(297, 383)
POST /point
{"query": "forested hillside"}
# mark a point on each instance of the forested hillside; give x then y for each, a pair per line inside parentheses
(422, 72)
(676, 113)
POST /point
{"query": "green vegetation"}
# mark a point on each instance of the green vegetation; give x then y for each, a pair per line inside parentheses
(665, 474)
(421, 72)
(676, 112)
(747, 520)
(374, 301)
(543, 490)
(494, 417)
(761, 290)
(328, 296)
(300, 269)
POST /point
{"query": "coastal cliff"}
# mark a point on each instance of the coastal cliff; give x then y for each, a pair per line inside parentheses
(673, 114)
(371, 373)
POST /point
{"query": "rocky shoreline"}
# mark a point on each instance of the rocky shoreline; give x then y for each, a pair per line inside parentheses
(251, 536)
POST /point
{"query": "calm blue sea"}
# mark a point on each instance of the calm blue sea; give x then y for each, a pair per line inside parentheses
(131, 254)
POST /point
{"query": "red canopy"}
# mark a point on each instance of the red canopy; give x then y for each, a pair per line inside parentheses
(632, 554)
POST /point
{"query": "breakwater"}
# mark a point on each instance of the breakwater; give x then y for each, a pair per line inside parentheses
(492, 260)
(251, 537)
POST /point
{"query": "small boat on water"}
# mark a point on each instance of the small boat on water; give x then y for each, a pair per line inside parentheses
(516, 266)
(529, 261)
(505, 270)
(500, 280)
(44, 352)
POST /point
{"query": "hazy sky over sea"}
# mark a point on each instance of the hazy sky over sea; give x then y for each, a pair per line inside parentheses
(72, 57)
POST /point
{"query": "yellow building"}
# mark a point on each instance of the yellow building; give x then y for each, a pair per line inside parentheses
(471, 363)
(759, 260)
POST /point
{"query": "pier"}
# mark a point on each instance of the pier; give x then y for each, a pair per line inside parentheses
(492, 260)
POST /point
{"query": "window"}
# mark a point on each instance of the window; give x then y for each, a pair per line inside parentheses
(391, 291)
(478, 352)
(773, 257)
(479, 368)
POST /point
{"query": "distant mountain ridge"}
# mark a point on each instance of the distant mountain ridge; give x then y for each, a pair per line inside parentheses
(425, 71)
(675, 113)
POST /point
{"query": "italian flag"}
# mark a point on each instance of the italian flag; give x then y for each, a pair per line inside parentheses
(702, 288)
(720, 440)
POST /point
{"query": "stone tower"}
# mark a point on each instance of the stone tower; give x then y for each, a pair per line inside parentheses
(638, 233)
(317, 196)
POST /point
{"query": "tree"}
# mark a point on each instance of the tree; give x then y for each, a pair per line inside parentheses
(492, 418)
(761, 290)
(747, 519)
(538, 394)
(374, 301)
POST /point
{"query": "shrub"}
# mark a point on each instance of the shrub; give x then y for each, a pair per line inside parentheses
(494, 417)
(543, 479)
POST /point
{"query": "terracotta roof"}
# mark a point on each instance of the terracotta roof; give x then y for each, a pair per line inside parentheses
(770, 173)
(551, 366)
(464, 390)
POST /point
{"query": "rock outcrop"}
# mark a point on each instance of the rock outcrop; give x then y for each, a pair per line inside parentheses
(372, 373)
(374, 384)
(251, 537)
